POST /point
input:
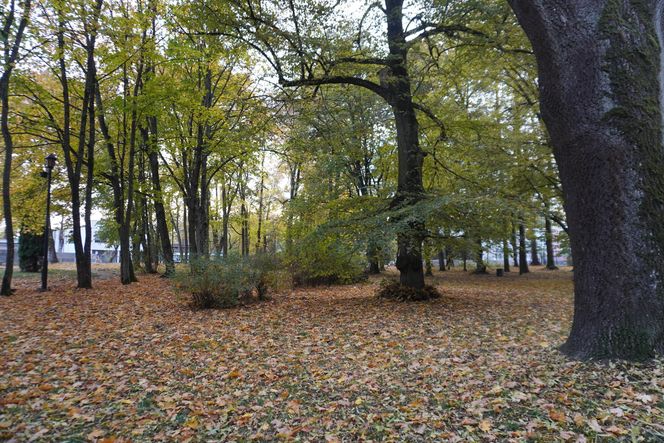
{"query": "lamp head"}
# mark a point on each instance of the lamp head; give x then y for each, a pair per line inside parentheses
(50, 161)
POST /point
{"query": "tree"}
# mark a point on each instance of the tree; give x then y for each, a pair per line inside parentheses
(75, 27)
(208, 117)
(318, 62)
(129, 41)
(11, 35)
(600, 65)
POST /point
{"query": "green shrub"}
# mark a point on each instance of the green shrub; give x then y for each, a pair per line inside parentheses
(226, 282)
(30, 251)
(326, 263)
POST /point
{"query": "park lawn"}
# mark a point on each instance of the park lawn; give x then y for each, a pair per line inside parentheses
(135, 363)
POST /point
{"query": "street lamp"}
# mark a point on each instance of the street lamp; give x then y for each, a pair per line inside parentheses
(48, 168)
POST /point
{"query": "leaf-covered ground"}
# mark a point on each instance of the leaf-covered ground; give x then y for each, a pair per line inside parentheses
(324, 364)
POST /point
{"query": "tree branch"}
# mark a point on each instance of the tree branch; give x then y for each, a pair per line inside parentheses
(339, 80)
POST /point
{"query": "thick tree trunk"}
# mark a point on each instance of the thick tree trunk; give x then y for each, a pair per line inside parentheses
(372, 257)
(601, 84)
(480, 266)
(534, 253)
(506, 256)
(523, 254)
(550, 259)
(410, 189)
(450, 259)
(442, 265)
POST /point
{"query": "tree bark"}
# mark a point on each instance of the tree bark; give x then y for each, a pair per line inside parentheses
(506, 256)
(515, 249)
(158, 198)
(74, 159)
(175, 221)
(121, 213)
(601, 85)
(523, 254)
(185, 253)
(442, 266)
(260, 208)
(52, 255)
(550, 258)
(6, 184)
(372, 257)
(480, 266)
(10, 51)
(534, 253)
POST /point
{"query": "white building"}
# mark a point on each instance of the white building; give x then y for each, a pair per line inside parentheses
(101, 252)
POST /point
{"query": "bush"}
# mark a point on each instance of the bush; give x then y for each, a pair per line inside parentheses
(30, 251)
(229, 281)
(326, 262)
(393, 290)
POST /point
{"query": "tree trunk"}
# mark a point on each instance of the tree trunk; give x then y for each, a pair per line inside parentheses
(144, 214)
(186, 234)
(52, 255)
(442, 260)
(6, 182)
(550, 258)
(372, 257)
(523, 254)
(506, 256)
(534, 253)
(395, 88)
(160, 212)
(260, 209)
(450, 259)
(244, 216)
(601, 83)
(85, 147)
(410, 189)
(515, 249)
(84, 262)
(175, 221)
(428, 265)
(11, 52)
(127, 275)
(480, 266)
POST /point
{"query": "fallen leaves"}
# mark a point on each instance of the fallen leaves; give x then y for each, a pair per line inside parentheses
(484, 426)
(119, 364)
(557, 416)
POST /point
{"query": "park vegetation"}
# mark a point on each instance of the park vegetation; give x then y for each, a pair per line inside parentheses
(269, 143)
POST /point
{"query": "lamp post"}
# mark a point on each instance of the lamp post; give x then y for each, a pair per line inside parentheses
(50, 164)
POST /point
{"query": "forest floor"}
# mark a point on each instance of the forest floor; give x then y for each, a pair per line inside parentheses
(135, 363)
